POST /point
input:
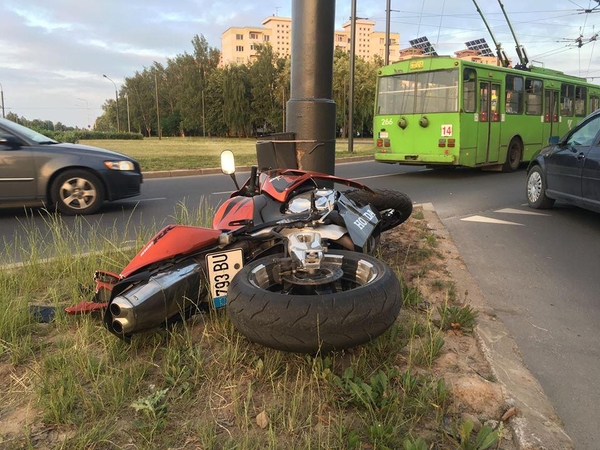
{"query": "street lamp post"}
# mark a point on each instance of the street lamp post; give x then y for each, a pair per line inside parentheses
(117, 100)
(128, 121)
(2, 97)
(87, 107)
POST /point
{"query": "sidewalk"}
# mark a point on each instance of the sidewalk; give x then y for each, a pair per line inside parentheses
(536, 424)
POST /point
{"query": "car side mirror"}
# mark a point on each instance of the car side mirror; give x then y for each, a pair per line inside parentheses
(10, 141)
(553, 140)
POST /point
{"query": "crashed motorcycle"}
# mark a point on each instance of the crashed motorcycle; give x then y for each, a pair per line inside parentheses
(289, 257)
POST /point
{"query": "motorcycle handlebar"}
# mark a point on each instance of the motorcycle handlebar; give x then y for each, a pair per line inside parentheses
(252, 185)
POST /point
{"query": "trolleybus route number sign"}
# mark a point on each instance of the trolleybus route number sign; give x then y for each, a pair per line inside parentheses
(447, 130)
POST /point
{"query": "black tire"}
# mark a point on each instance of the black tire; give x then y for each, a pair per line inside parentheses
(317, 322)
(536, 189)
(77, 191)
(513, 156)
(382, 200)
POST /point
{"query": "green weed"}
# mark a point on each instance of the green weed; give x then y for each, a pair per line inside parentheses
(455, 318)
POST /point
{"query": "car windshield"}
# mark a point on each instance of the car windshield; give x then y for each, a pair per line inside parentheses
(418, 93)
(25, 132)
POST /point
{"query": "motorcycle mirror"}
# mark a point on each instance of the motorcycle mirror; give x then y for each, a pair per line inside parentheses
(227, 162)
(228, 165)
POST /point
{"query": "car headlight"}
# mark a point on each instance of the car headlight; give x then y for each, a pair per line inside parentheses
(119, 165)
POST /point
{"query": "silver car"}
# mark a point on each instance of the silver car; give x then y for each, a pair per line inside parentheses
(77, 179)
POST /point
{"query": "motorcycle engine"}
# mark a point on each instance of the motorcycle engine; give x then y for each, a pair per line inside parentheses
(324, 201)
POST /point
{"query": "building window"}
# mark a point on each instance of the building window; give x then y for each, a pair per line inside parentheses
(239, 48)
(239, 37)
(253, 35)
(266, 38)
(252, 47)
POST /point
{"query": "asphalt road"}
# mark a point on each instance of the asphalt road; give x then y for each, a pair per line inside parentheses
(537, 269)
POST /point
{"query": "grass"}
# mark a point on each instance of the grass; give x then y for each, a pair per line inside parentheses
(195, 153)
(200, 384)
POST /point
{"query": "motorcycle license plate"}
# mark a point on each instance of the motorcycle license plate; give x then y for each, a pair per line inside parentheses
(222, 267)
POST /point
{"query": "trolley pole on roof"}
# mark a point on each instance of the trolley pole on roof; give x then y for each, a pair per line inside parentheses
(519, 48)
(499, 52)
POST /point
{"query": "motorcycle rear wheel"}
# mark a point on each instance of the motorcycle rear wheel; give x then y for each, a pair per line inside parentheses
(367, 302)
(384, 199)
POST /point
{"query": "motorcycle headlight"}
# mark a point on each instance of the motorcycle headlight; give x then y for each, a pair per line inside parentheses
(119, 165)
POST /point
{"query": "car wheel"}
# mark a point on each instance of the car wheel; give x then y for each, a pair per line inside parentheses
(536, 189)
(77, 192)
(513, 156)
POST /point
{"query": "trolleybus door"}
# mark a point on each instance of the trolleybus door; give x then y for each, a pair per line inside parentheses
(488, 139)
(550, 117)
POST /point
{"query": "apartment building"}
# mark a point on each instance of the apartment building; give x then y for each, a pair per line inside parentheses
(238, 44)
(467, 54)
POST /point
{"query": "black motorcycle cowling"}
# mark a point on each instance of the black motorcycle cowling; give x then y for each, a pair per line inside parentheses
(361, 221)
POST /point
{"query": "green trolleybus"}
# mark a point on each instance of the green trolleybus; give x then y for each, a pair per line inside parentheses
(443, 111)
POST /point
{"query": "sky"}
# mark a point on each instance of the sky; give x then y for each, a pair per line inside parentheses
(53, 54)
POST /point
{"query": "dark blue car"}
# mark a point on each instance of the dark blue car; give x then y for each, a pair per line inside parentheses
(568, 169)
(77, 179)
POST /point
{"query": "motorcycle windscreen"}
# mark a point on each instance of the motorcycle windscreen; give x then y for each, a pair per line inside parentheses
(360, 221)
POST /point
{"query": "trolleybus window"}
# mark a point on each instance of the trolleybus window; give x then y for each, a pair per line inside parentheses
(594, 103)
(533, 96)
(418, 93)
(567, 93)
(469, 93)
(514, 94)
(580, 98)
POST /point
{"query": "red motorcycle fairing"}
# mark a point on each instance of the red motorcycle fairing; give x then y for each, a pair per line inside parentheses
(173, 240)
(281, 184)
(234, 209)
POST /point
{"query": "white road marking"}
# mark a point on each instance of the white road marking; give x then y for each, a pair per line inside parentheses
(482, 219)
(520, 211)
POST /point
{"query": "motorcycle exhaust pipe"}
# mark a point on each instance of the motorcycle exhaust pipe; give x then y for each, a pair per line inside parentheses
(157, 301)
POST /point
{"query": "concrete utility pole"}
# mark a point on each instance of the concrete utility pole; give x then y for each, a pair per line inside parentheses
(128, 121)
(158, 131)
(2, 97)
(352, 63)
(386, 60)
(311, 109)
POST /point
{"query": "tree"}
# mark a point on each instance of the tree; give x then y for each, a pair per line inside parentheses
(264, 75)
(236, 100)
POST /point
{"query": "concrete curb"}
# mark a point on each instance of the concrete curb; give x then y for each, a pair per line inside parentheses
(214, 170)
(536, 425)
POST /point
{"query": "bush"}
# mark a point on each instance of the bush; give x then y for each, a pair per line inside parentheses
(75, 136)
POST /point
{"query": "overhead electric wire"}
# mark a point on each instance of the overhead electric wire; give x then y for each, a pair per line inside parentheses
(421, 17)
(591, 54)
(437, 42)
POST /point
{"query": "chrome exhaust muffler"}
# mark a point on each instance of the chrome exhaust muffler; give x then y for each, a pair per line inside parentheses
(159, 300)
